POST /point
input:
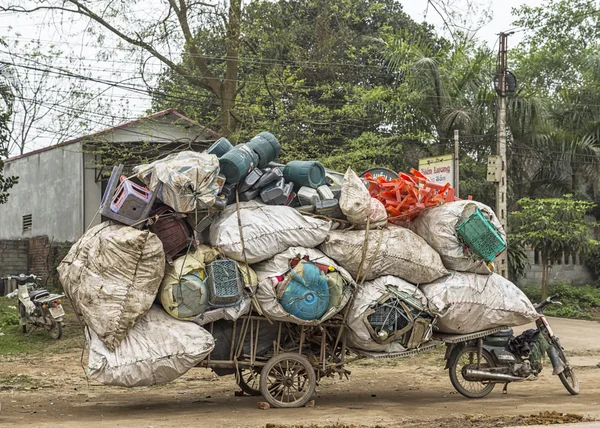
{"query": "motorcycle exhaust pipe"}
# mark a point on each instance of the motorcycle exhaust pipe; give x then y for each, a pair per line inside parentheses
(480, 375)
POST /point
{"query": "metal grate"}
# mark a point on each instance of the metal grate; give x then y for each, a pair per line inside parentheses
(389, 315)
(225, 285)
(27, 222)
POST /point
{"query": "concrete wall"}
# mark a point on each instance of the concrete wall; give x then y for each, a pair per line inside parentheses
(568, 269)
(13, 257)
(50, 189)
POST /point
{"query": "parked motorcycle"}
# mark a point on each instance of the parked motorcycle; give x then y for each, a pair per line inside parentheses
(476, 366)
(38, 308)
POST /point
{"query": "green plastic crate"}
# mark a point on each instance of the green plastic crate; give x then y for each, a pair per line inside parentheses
(480, 235)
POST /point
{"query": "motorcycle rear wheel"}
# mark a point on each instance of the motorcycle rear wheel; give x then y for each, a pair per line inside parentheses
(465, 358)
(567, 377)
(56, 330)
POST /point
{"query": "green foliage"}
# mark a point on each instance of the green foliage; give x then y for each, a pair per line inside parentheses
(9, 318)
(517, 259)
(577, 301)
(592, 258)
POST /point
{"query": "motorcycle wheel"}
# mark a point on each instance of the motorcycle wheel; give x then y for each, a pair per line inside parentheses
(465, 358)
(56, 330)
(249, 381)
(22, 316)
(567, 377)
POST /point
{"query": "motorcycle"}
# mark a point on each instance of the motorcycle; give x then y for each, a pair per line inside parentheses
(477, 365)
(39, 308)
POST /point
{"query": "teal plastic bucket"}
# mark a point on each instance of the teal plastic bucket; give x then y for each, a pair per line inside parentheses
(263, 148)
(237, 163)
(305, 173)
(220, 147)
(273, 141)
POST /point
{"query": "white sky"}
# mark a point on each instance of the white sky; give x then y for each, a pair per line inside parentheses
(120, 66)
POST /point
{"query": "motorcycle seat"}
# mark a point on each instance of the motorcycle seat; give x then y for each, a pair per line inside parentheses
(38, 294)
(508, 332)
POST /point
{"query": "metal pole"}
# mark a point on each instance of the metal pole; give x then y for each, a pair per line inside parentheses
(456, 167)
(502, 260)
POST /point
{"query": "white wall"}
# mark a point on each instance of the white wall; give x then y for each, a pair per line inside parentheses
(50, 190)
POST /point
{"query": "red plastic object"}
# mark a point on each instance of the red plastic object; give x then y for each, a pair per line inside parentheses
(408, 195)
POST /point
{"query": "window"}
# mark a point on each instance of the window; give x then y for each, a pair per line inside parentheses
(27, 222)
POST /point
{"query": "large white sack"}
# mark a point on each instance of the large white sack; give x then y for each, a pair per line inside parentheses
(368, 295)
(437, 226)
(158, 349)
(266, 294)
(185, 181)
(393, 250)
(468, 302)
(112, 275)
(267, 230)
(357, 204)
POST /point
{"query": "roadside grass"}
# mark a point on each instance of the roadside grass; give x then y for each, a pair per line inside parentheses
(582, 302)
(13, 341)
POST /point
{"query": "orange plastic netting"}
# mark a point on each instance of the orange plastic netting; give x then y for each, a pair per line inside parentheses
(409, 194)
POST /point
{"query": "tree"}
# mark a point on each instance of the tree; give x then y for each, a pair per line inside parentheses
(6, 102)
(553, 227)
(161, 38)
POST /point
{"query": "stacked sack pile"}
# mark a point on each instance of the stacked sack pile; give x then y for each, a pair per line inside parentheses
(212, 236)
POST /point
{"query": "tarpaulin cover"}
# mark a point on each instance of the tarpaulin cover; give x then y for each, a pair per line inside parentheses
(368, 295)
(438, 227)
(267, 230)
(393, 250)
(112, 275)
(468, 302)
(158, 349)
(195, 262)
(279, 265)
(357, 204)
(189, 180)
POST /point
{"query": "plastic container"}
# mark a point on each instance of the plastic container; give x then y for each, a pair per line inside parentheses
(225, 284)
(250, 180)
(173, 231)
(480, 235)
(325, 192)
(264, 149)
(130, 200)
(273, 140)
(277, 193)
(305, 173)
(308, 196)
(329, 208)
(269, 176)
(191, 296)
(307, 295)
(220, 147)
(250, 194)
(236, 164)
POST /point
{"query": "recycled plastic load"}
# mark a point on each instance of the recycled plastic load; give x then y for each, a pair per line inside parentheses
(293, 286)
(467, 302)
(438, 226)
(393, 250)
(158, 349)
(388, 315)
(267, 230)
(112, 275)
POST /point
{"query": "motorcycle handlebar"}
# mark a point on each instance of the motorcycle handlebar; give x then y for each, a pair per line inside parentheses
(22, 277)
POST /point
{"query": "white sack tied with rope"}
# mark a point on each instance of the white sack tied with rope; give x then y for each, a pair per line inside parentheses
(437, 226)
(367, 297)
(158, 349)
(267, 230)
(112, 275)
(357, 204)
(468, 302)
(393, 250)
(185, 181)
(268, 294)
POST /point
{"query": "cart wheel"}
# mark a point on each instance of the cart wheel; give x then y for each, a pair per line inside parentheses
(288, 380)
(249, 381)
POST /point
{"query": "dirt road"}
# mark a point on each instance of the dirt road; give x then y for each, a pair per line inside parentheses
(411, 392)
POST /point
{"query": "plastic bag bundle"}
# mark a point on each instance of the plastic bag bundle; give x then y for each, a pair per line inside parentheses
(112, 275)
(438, 227)
(158, 349)
(361, 333)
(267, 230)
(357, 204)
(296, 281)
(185, 181)
(393, 250)
(467, 302)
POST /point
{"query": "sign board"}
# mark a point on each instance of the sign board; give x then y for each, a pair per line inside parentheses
(439, 169)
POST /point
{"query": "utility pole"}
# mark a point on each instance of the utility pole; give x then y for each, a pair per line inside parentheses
(456, 171)
(502, 260)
